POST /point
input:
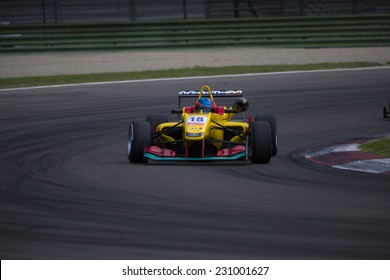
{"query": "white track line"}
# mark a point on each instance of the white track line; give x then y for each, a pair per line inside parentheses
(196, 78)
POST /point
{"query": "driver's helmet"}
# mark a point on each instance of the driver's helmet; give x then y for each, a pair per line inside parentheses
(204, 104)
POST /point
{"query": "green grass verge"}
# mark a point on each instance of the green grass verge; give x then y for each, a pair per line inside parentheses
(379, 147)
(171, 73)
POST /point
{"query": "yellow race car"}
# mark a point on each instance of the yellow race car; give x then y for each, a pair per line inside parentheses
(204, 132)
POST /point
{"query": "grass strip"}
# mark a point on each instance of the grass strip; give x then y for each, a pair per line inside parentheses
(379, 147)
(171, 73)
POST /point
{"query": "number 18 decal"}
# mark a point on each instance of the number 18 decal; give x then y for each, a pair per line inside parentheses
(196, 120)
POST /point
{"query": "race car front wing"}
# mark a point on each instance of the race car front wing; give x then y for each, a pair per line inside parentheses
(235, 153)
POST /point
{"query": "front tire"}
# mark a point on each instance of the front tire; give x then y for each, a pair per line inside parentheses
(261, 142)
(274, 130)
(137, 140)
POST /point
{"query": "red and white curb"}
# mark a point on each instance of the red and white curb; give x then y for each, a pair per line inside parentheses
(348, 156)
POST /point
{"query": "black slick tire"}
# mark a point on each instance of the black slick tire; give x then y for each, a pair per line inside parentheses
(137, 140)
(274, 130)
(261, 142)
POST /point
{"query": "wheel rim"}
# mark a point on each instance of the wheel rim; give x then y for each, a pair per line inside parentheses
(130, 139)
(276, 140)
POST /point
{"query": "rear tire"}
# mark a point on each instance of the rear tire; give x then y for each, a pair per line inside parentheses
(261, 144)
(274, 130)
(154, 121)
(138, 139)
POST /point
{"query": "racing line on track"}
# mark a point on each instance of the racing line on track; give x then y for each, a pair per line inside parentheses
(68, 191)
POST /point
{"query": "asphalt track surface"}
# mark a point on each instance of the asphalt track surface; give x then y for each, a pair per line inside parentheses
(68, 191)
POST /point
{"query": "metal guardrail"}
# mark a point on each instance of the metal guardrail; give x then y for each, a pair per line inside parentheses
(76, 11)
(307, 32)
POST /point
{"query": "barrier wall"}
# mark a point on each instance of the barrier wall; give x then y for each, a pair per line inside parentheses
(84, 11)
(303, 32)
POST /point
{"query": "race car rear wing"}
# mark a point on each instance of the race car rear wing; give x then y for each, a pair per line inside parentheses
(216, 94)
